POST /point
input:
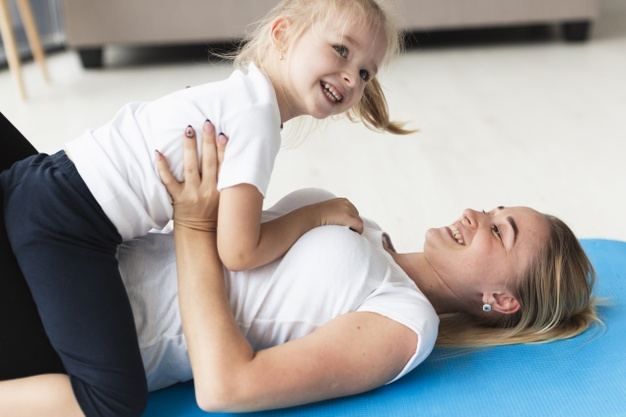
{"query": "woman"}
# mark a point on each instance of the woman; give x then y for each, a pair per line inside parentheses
(507, 276)
(363, 339)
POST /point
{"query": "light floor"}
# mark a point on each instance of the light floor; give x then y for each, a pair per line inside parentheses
(522, 121)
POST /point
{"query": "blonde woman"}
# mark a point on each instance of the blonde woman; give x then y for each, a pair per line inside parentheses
(339, 313)
(510, 275)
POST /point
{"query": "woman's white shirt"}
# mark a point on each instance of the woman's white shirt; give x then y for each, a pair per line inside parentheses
(328, 272)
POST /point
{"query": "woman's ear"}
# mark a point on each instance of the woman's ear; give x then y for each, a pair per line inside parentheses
(505, 303)
(279, 32)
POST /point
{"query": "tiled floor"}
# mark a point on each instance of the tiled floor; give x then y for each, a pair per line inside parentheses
(504, 119)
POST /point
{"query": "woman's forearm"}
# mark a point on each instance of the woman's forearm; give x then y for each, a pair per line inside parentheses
(217, 348)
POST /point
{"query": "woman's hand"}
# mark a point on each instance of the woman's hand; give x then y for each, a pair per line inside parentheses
(196, 199)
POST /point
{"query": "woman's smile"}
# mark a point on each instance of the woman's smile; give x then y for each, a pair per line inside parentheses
(456, 234)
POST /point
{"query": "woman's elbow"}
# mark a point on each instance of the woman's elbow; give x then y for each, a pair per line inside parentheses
(215, 400)
(210, 404)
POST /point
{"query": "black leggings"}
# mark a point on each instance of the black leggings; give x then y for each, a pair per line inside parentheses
(24, 347)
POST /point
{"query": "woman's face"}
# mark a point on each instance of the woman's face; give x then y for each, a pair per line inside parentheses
(486, 248)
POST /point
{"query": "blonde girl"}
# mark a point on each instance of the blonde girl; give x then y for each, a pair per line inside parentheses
(322, 58)
(67, 213)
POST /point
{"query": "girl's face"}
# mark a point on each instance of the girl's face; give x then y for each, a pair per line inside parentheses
(328, 67)
(486, 248)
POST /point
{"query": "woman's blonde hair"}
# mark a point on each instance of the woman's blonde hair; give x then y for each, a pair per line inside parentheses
(555, 295)
(372, 110)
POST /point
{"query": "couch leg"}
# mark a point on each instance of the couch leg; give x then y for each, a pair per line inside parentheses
(90, 57)
(576, 31)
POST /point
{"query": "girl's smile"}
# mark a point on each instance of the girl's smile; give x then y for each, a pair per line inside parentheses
(331, 92)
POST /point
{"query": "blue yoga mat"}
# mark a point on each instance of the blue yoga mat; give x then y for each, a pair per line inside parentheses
(583, 376)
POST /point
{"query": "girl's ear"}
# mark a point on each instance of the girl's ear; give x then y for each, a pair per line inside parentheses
(279, 30)
(505, 303)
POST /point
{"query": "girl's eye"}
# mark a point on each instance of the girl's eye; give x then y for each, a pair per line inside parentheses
(495, 230)
(341, 50)
(365, 75)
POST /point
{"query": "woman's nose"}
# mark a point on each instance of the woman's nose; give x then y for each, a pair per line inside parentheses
(470, 217)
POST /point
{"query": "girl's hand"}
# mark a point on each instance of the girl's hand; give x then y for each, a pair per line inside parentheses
(339, 212)
(196, 199)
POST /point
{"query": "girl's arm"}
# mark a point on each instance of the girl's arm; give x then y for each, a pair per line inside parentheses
(245, 243)
(351, 354)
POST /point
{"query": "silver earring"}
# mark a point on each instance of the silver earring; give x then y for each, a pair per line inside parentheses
(487, 307)
(282, 56)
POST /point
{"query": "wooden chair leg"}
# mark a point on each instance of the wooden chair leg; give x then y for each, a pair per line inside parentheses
(10, 48)
(30, 26)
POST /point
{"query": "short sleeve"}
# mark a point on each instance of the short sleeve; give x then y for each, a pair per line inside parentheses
(400, 300)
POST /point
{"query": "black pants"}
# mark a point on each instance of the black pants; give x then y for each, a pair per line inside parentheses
(65, 246)
(24, 347)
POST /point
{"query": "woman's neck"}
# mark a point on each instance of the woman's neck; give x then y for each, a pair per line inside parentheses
(441, 296)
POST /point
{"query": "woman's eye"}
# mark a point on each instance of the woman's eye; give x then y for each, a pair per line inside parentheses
(365, 75)
(495, 230)
(341, 50)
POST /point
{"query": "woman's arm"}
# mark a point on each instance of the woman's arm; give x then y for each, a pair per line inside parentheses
(245, 243)
(351, 354)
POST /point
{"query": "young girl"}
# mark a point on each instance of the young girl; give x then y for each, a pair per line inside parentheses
(67, 213)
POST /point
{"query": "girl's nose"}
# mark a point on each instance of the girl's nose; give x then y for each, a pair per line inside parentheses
(350, 75)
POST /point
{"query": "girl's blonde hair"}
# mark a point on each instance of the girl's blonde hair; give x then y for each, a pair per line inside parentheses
(555, 295)
(257, 45)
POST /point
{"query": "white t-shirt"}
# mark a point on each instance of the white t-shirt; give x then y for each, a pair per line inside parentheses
(328, 272)
(117, 160)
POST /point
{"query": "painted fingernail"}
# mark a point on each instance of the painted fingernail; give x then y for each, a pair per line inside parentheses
(158, 155)
(189, 132)
(222, 139)
(207, 126)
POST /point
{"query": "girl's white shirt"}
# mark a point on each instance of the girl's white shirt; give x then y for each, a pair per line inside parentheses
(329, 271)
(117, 160)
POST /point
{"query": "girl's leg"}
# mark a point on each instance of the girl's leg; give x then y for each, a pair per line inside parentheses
(24, 347)
(13, 144)
(45, 395)
(66, 249)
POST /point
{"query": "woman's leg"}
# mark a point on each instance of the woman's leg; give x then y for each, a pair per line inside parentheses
(25, 349)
